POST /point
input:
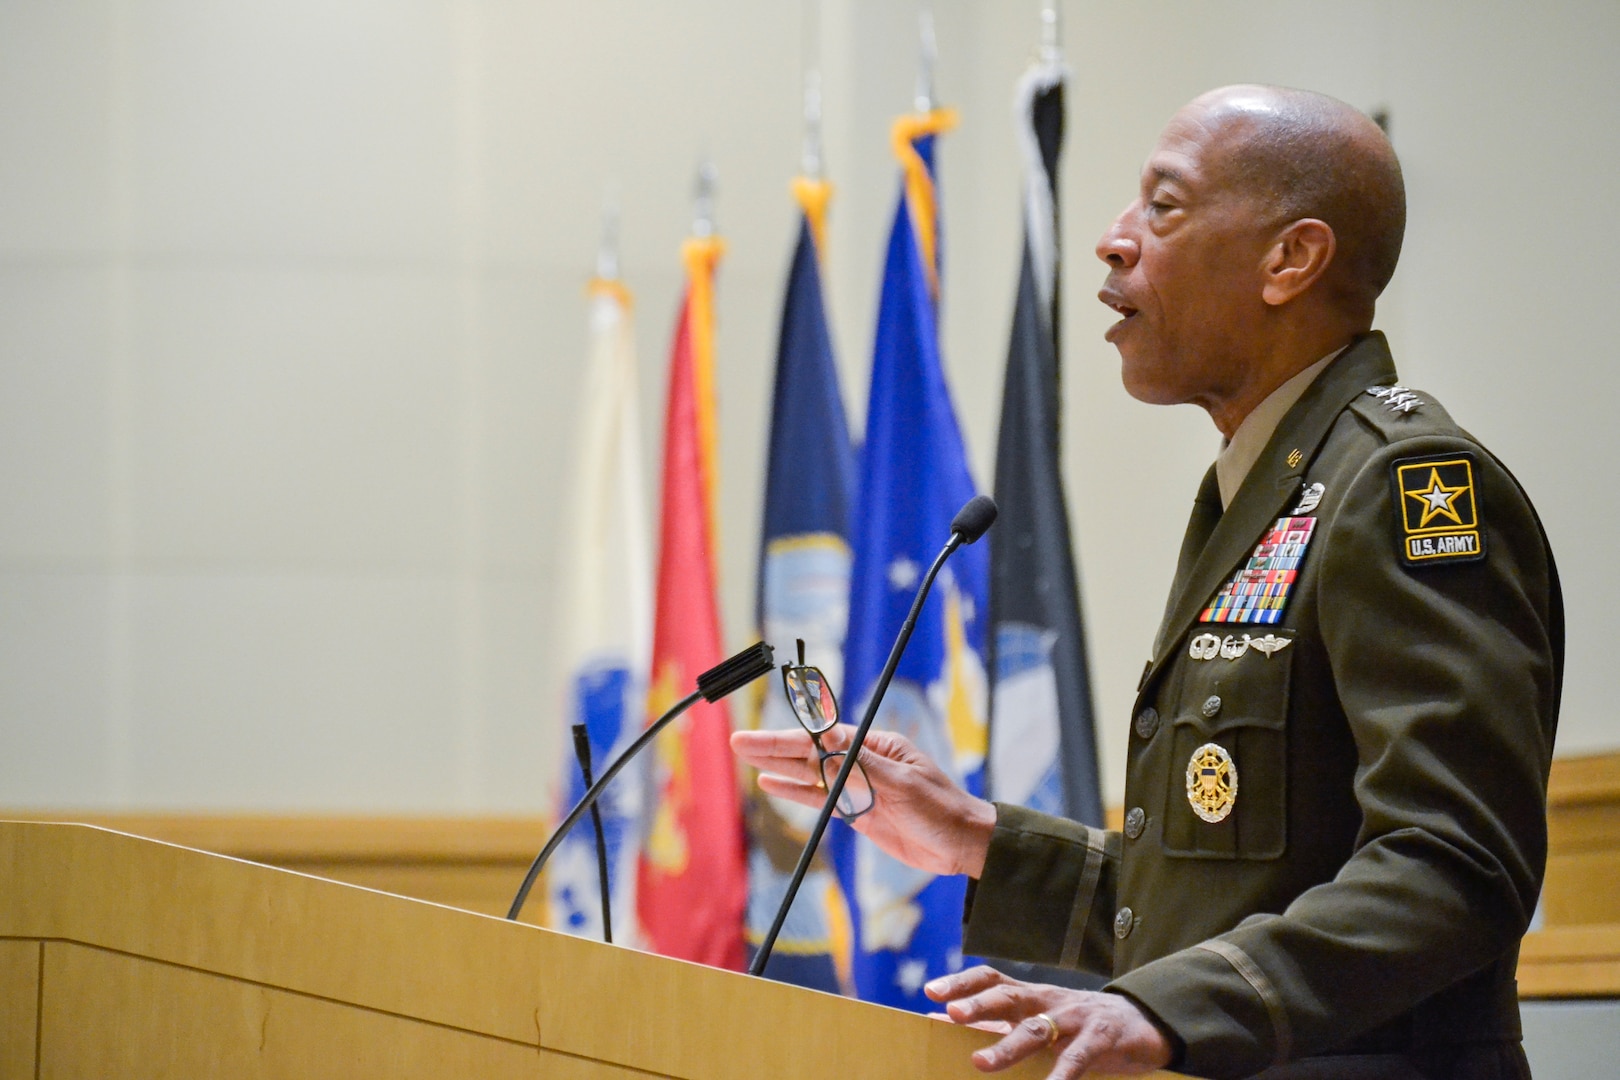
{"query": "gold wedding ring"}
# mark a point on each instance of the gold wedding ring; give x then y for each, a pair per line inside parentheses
(1051, 1028)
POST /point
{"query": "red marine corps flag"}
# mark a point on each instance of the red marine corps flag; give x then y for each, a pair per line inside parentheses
(692, 884)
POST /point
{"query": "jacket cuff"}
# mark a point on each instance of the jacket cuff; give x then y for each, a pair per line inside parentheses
(1225, 1011)
(1034, 902)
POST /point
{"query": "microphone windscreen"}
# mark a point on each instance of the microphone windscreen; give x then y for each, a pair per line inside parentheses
(737, 672)
(974, 519)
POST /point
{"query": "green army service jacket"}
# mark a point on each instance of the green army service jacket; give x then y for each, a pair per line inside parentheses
(1335, 823)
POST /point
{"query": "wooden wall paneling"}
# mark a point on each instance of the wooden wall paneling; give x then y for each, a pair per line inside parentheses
(277, 839)
(19, 997)
(1583, 831)
(1571, 961)
(1583, 889)
(475, 864)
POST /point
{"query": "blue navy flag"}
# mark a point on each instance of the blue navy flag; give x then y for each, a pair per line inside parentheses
(1043, 749)
(913, 479)
(803, 594)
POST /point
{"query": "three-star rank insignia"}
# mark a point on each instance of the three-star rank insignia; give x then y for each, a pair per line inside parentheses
(1437, 510)
(1212, 782)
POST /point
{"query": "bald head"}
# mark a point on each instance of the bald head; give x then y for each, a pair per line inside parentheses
(1305, 155)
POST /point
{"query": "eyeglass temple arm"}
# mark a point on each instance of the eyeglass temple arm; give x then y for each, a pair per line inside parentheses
(595, 793)
(851, 756)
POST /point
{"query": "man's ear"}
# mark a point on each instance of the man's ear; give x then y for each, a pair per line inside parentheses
(1296, 260)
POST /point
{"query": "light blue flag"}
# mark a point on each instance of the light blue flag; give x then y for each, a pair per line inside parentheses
(913, 479)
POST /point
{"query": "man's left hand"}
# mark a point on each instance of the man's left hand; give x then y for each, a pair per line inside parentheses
(1088, 1030)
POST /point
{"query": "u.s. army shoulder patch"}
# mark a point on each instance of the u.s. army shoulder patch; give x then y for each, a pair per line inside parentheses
(1437, 511)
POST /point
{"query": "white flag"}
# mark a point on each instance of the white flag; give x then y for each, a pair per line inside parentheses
(608, 626)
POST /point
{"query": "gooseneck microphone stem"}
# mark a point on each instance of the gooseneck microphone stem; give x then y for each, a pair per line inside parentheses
(594, 793)
(730, 674)
(763, 956)
(582, 751)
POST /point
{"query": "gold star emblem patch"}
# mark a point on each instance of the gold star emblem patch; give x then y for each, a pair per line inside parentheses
(1437, 499)
(1438, 509)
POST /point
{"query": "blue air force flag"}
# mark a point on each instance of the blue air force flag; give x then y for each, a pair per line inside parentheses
(913, 479)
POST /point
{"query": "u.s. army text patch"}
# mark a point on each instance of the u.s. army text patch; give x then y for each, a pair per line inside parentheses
(1437, 511)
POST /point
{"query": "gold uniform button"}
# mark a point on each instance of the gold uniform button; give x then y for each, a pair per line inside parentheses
(1135, 822)
(1147, 722)
(1124, 921)
(1212, 706)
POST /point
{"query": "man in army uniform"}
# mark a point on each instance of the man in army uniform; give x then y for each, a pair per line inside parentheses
(1335, 824)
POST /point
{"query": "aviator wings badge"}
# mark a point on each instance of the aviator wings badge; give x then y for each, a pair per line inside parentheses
(1270, 644)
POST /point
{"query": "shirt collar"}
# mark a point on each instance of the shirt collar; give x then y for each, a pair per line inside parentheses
(1240, 452)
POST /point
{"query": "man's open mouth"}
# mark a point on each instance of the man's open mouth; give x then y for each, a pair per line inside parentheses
(1118, 304)
(1116, 301)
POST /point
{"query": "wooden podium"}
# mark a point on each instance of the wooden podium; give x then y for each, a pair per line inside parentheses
(129, 958)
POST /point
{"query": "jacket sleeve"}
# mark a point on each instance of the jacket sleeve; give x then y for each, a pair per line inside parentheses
(1047, 894)
(1448, 676)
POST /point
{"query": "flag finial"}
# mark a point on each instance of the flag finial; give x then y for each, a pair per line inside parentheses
(607, 255)
(703, 198)
(811, 165)
(929, 59)
(1051, 32)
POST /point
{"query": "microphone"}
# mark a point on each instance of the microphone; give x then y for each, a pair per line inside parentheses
(970, 523)
(975, 518)
(714, 684)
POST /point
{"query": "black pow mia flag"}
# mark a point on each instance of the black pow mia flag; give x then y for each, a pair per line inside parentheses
(1043, 747)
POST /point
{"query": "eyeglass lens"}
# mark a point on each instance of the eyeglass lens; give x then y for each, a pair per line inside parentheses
(811, 697)
(817, 710)
(856, 798)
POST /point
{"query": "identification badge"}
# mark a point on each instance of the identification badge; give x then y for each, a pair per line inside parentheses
(1437, 509)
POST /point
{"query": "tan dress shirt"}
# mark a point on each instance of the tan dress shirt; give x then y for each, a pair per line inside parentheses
(1239, 454)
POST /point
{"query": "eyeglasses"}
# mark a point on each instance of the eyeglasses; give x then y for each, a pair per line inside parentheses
(817, 711)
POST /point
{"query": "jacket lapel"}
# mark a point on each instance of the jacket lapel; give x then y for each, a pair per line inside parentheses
(1272, 486)
(1206, 515)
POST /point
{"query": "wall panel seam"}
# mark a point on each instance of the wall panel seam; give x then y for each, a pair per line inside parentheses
(39, 1012)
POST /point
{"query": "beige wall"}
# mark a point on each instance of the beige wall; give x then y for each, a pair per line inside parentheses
(291, 323)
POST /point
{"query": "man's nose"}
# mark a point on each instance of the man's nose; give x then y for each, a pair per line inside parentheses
(1118, 247)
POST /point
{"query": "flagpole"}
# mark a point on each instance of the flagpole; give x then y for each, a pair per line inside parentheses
(607, 255)
(703, 198)
(928, 61)
(1051, 32)
(811, 165)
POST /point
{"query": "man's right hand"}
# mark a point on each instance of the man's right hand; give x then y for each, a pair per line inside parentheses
(918, 815)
